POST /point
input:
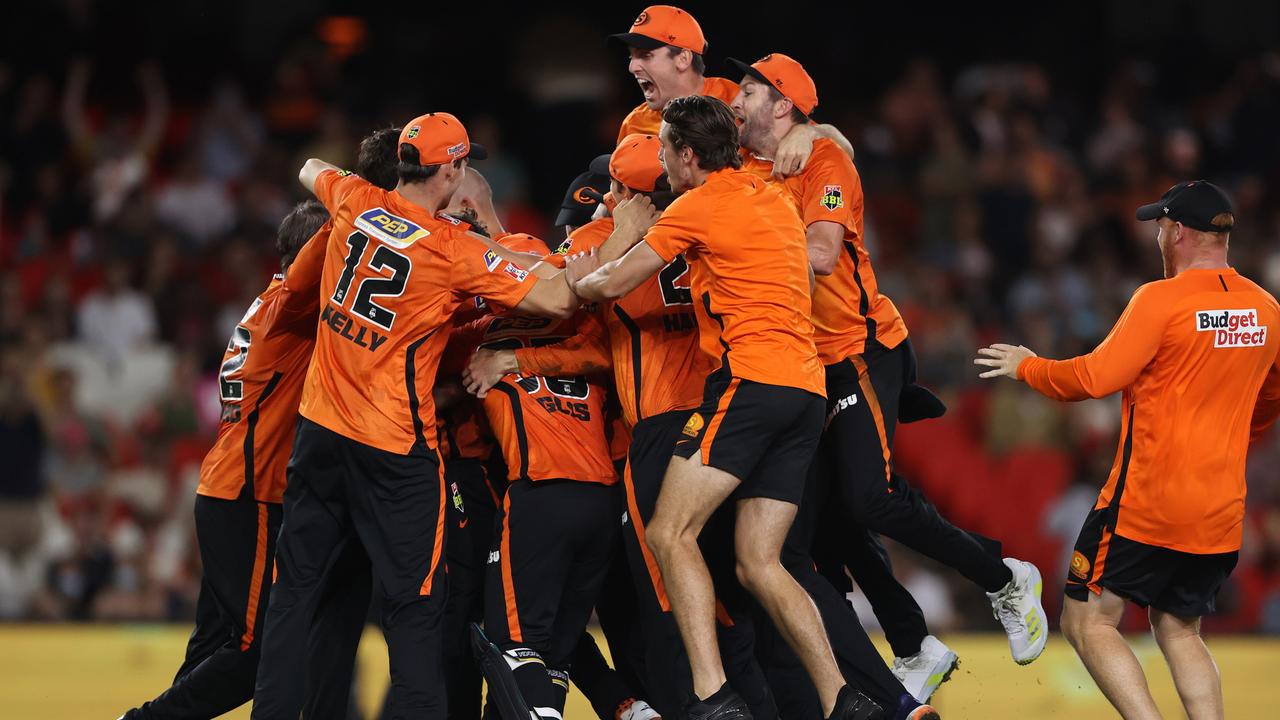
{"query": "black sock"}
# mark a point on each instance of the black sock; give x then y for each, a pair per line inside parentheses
(720, 695)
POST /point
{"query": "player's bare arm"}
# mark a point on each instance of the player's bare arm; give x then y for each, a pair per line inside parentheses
(594, 281)
(824, 239)
(632, 218)
(1002, 359)
(796, 146)
(311, 170)
(552, 297)
(486, 368)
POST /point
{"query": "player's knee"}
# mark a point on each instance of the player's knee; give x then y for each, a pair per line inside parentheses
(1167, 626)
(754, 572)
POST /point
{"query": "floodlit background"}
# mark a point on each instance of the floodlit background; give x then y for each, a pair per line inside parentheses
(148, 150)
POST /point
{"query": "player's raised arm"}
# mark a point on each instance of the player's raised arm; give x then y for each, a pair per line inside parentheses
(311, 170)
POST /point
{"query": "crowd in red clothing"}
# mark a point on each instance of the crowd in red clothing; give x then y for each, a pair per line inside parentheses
(136, 227)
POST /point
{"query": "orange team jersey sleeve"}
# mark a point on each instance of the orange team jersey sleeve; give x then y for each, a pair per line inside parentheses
(335, 187)
(548, 427)
(585, 353)
(259, 383)
(299, 302)
(1193, 355)
(480, 272)
(1114, 364)
(1268, 407)
(848, 306)
(749, 272)
(647, 121)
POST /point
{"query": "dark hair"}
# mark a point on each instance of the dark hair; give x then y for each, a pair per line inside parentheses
(297, 228)
(376, 161)
(699, 65)
(708, 127)
(411, 170)
(797, 117)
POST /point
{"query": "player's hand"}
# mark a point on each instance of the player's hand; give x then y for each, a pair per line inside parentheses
(486, 368)
(1003, 359)
(794, 150)
(579, 266)
(634, 216)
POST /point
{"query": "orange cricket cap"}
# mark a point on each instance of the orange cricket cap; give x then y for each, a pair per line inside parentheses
(662, 25)
(786, 76)
(635, 162)
(439, 138)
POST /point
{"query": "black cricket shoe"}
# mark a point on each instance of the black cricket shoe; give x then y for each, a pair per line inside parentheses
(853, 705)
(724, 704)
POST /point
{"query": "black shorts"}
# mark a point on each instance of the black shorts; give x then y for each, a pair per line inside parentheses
(1181, 583)
(764, 435)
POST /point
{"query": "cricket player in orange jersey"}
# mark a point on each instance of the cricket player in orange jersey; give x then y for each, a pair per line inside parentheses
(667, 49)
(1198, 361)
(755, 433)
(863, 343)
(393, 273)
(650, 339)
(238, 501)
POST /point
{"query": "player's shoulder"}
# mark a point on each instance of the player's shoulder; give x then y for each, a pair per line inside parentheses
(721, 88)
(1266, 297)
(586, 237)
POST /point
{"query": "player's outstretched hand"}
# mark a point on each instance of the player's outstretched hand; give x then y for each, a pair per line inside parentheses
(486, 368)
(1003, 359)
(634, 216)
(794, 150)
(579, 266)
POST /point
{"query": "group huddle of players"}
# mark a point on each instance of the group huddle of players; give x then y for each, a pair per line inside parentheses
(679, 418)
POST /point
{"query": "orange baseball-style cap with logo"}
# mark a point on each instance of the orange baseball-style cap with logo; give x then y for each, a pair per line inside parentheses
(439, 138)
(635, 162)
(662, 25)
(786, 76)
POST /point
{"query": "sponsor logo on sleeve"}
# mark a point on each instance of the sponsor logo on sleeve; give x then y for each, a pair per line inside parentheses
(564, 247)
(344, 173)
(1232, 328)
(515, 272)
(832, 198)
(391, 229)
(491, 260)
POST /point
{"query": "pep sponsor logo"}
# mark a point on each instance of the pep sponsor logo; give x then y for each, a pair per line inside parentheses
(1232, 328)
(389, 228)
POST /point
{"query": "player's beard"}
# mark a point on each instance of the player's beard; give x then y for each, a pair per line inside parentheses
(1166, 256)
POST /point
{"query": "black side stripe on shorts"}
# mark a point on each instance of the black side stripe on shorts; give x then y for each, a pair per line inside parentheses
(411, 385)
(517, 415)
(706, 305)
(251, 427)
(1114, 507)
(864, 303)
(634, 330)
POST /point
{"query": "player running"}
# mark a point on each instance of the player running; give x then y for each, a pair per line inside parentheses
(1199, 369)
(365, 451)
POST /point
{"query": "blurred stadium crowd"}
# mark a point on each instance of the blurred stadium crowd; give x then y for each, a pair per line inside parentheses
(136, 221)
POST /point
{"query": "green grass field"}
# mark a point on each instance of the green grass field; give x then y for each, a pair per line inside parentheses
(81, 672)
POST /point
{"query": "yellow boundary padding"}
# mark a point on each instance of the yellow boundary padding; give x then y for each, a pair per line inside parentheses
(75, 672)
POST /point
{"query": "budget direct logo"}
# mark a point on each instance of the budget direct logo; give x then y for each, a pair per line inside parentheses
(1232, 328)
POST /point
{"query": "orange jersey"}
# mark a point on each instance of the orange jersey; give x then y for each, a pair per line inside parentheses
(548, 427)
(646, 121)
(749, 271)
(1191, 354)
(847, 304)
(260, 383)
(393, 275)
(650, 337)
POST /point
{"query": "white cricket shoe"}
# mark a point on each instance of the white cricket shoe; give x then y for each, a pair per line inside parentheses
(1018, 608)
(923, 672)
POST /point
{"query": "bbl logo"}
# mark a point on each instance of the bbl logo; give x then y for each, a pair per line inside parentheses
(413, 132)
(832, 198)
